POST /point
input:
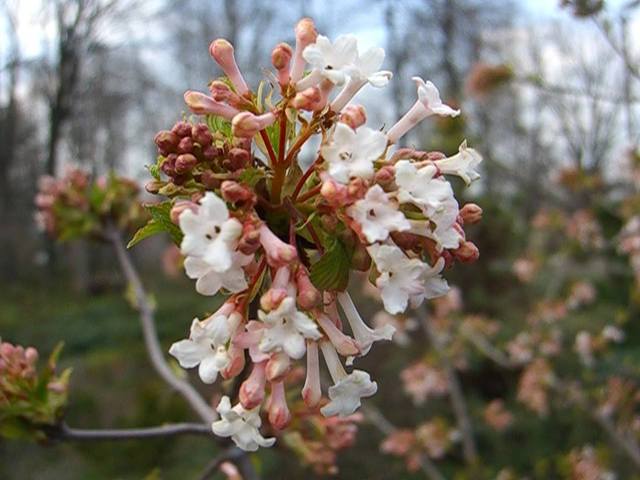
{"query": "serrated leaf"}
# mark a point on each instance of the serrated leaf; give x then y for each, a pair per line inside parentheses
(160, 222)
(252, 176)
(331, 272)
(218, 124)
(154, 170)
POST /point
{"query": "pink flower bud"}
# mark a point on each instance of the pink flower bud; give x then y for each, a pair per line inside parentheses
(279, 415)
(250, 240)
(220, 91)
(308, 296)
(345, 345)
(237, 159)
(201, 135)
(386, 177)
(185, 163)
(278, 253)
(278, 366)
(237, 193)
(467, 252)
(222, 52)
(471, 213)
(182, 129)
(354, 116)
(306, 34)
(252, 389)
(166, 141)
(272, 299)
(236, 362)
(280, 59)
(31, 355)
(309, 99)
(153, 186)
(179, 207)
(201, 104)
(246, 124)
(185, 145)
(312, 392)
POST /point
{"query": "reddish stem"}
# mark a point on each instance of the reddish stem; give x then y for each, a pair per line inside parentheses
(270, 150)
(283, 137)
(307, 195)
(303, 179)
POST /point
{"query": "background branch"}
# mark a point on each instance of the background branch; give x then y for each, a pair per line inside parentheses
(378, 420)
(65, 432)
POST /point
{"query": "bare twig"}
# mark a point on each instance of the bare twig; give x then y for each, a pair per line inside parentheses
(144, 306)
(458, 402)
(625, 442)
(378, 420)
(231, 454)
(65, 432)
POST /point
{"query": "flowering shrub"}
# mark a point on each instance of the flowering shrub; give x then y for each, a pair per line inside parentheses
(30, 398)
(76, 205)
(257, 222)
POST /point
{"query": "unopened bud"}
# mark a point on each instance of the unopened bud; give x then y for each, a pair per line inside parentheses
(249, 242)
(236, 362)
(246, 124)
(308, 99)
(220, 91)
(169, 165)
(201, 134)
(238, 158)
(386, 177)
(184, 163)
(277, 366)
(237, 193)
(185, 145)
(471, 213)
(279, 415)
(222, 52)
(272, 298)
(280, 59)
(179, 207)
(252, 389)
(154, 186)
(182, 129)
(306, 34)
(209, 180)
(31, 355)
(308, 296)
(209, 153)
(354, 116)
(467, 252)
(166, 141)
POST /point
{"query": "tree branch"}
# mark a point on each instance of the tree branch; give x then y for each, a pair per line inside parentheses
(65, 432)
(144, 306)
(458, 402)
(378, 420)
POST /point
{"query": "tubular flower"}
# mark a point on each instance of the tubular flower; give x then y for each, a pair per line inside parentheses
(282, 242)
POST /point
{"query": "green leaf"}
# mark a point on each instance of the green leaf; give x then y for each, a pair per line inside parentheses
(154, 170)
(252, 176)
(331, 272)
(160, 222)
(219, 125)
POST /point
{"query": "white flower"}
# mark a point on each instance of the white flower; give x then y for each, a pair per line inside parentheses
(463, 164)
(210, 234)
(345, 395)
(209, 280)
(378, 215)
(434, 196)
(364, 336)
(286, 329)
(352, 153)
(405, 280)
(366, 69)
(429, 97)
(241, 425)
(428, 103)
(348, 389)
(210, 239)
(421, 187)
(206, 345)
(330, 60)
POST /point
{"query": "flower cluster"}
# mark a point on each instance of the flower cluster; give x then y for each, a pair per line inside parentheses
(76, 205)
(30, 398)
(258, 222)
